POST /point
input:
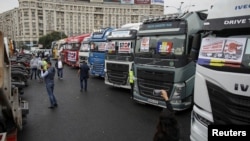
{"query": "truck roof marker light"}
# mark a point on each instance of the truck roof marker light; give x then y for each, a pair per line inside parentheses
(206, 23)
(157, 18)
(146, 19)
(162, 17)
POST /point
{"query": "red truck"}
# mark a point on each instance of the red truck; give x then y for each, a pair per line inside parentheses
(72, 51)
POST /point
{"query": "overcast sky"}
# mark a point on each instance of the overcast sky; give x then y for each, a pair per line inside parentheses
(187, 5)
(199, 4)
(8, 5)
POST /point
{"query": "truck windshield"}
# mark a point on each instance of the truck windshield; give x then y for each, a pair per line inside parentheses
(55, 46)
(62, 46)
(84, 47)
(74, 46)
(120, 50)
(160, 50)
(97, 46)
(230, 54)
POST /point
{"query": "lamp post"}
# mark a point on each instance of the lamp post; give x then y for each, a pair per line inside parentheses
(180, 8)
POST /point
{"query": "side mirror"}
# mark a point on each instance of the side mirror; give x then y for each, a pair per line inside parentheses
(196, 43)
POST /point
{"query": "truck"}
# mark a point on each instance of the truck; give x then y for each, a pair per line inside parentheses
(84, 50)
(57, 48)
(162, 59)
(96, 59)
(14, 109)
(120, 55)
(73, 52)
(52, 48)
(222, 93)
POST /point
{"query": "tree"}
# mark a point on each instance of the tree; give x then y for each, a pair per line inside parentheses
(49, 38)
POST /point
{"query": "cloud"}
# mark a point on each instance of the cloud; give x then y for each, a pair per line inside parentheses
(8, 5)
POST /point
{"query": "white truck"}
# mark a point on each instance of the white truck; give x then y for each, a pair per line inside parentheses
(84, 50)
(120, 55)
(222, 93)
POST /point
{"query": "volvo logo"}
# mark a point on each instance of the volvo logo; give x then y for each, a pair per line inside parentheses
(241, 87)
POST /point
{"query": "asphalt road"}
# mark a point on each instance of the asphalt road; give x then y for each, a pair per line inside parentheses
(103, 113)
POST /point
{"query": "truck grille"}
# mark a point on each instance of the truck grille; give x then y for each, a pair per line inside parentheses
(117, 73)
(98, 68)
(228, 108)
(148, 80)
(72, 62)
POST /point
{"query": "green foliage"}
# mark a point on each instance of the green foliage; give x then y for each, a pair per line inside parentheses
(49, 38)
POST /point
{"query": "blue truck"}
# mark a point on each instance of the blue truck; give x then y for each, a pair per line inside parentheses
(96, 58)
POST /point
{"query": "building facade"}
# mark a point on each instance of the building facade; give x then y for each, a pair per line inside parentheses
(35, 18)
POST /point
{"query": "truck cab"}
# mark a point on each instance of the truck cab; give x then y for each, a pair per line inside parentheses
(57, 48)
(84, 50)
(97, 51)
(120, 56)
(222, 93)
(74, 49)
(162, 59)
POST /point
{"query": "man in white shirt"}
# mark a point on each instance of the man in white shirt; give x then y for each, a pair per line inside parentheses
(59, 67)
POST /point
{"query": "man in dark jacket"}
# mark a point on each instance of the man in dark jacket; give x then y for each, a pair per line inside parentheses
(83, 73)
(48, 76)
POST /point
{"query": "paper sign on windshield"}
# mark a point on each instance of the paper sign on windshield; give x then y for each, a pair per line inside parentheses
(84, 47)
(164, 47)
(222, 49)
(144, 44)
(72, 55)
(124, 47)
(110, 47)
(102, 46)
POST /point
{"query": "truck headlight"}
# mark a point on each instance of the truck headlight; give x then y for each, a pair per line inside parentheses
(201, 119)
(179, 89)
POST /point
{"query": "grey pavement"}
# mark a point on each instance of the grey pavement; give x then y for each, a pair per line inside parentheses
(102, 113)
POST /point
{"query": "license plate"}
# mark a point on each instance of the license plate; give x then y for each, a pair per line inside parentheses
(153, 101)
(96, 74)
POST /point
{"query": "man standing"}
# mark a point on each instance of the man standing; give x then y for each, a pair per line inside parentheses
(83, 73)
(59, 67)
(48, 76)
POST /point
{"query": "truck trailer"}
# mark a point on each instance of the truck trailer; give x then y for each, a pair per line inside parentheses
(14, 109)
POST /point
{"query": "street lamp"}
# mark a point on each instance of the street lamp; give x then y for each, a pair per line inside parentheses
(180, 8)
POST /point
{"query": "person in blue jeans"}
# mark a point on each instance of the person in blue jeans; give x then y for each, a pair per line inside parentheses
(83, 73)
(48, 76)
